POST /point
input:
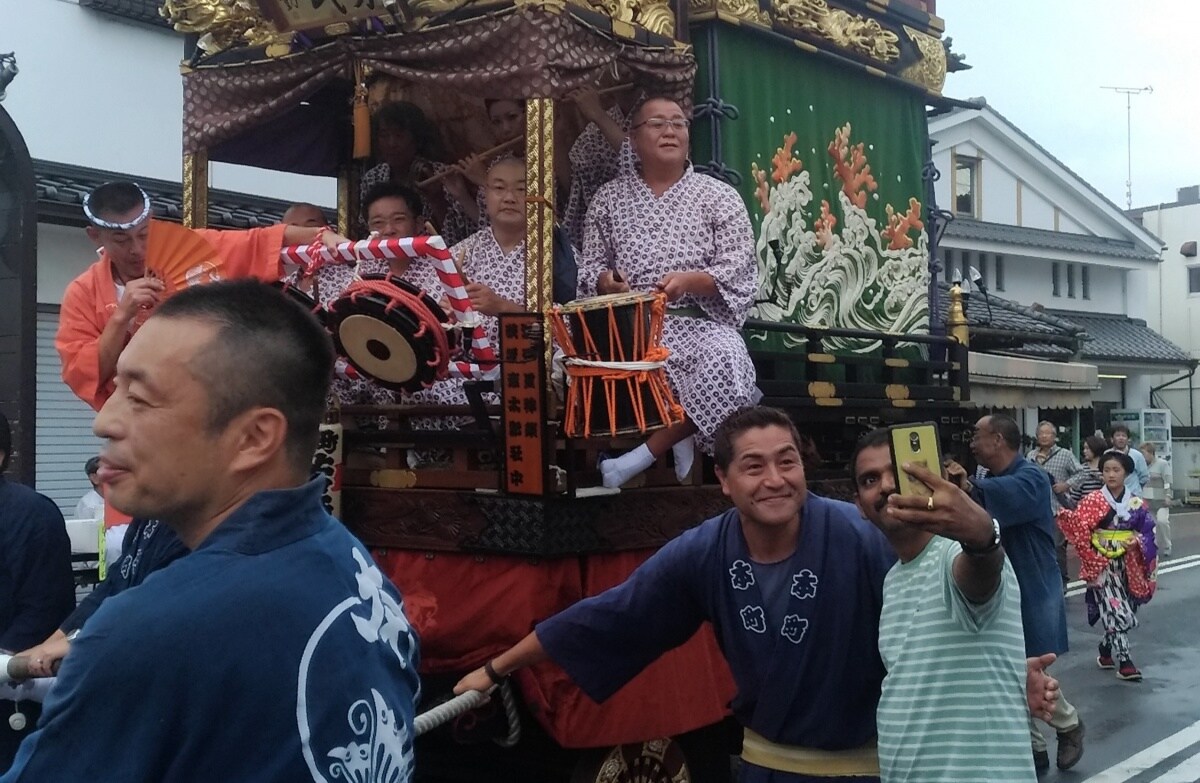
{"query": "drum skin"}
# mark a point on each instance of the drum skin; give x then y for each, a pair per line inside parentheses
(390, 332)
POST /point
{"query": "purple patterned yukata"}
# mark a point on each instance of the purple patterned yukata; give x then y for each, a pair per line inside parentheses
(484, 262)
(594, 163)
(698, 224)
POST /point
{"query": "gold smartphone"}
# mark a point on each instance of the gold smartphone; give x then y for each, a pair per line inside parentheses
(915, 443)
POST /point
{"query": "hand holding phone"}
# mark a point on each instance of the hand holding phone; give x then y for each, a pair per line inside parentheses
(915, 443)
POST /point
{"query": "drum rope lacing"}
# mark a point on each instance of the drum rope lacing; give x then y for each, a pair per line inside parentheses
(645, 372)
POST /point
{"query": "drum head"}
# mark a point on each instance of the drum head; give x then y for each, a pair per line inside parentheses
(378, 349)
(385, 334)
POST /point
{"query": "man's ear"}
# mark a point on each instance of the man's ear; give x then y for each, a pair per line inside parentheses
(721, 477)
(259, 436)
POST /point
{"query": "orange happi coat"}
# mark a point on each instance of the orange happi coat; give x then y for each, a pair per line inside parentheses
(91, 299)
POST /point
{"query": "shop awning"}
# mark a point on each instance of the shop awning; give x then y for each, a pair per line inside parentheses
(1015, 382)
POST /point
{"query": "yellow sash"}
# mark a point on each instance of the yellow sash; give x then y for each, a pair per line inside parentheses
(1111, 543)
(855, 762)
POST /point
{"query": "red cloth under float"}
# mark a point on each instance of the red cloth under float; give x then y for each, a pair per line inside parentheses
(470, 608)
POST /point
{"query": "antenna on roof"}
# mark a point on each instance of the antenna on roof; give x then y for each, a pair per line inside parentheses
(1129, 92)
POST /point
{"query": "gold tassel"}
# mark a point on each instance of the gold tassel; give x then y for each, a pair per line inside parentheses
(362, 115)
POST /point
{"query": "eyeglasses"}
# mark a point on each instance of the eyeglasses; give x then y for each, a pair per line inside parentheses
(659, 123)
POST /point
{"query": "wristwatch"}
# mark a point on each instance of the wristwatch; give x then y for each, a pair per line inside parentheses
(992, 546)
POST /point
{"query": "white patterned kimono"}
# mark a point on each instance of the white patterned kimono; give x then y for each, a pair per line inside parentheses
(486, 263)
(593, 163)
(698, 224)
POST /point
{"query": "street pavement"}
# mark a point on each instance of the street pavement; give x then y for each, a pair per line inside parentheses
(1148, 731)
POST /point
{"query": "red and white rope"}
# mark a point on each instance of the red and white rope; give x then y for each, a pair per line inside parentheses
(433, 248)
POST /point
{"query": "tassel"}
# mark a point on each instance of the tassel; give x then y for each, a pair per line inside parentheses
(362, 116)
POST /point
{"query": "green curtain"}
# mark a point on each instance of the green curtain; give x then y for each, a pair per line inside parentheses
(829, 254)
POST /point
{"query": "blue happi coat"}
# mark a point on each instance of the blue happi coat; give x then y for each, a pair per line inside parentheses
(813, 680)
(276, 651)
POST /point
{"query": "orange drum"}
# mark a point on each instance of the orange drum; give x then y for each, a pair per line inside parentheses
(391, 332)
(613, 345)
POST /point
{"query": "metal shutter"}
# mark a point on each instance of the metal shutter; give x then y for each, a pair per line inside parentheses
(64, 426)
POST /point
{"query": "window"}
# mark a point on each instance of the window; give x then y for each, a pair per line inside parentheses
(1085, 281)
(1055, 286)
(1071, 281)
(999, 273)
(1194, 279)
(966, 186)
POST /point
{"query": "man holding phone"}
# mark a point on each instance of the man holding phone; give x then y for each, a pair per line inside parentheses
(1016, 493)
(950, 632)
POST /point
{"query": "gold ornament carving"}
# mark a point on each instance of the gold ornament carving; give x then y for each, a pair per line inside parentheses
(746, 10)
(853, 32)
(223, 24)
(930, 70)
(654, 15)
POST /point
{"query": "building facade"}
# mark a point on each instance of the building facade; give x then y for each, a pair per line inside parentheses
(1032, 232)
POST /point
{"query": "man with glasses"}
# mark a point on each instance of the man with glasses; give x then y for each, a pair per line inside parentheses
(669, 229)
(1016, 492)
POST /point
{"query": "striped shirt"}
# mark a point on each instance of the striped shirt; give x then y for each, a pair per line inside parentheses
(953, 705)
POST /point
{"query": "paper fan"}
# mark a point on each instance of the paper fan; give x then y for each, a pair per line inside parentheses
(180, 257)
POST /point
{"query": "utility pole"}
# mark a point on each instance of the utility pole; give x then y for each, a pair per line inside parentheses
(1129, 92)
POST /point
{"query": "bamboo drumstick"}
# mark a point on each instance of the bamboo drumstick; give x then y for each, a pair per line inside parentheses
(454, 169)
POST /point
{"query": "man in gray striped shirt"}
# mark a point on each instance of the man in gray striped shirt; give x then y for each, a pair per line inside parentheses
(954, 704)
(1065, 473)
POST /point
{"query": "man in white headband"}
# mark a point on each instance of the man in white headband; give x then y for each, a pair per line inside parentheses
(104, 306)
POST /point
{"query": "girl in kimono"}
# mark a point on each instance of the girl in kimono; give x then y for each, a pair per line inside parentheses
(1114, 535)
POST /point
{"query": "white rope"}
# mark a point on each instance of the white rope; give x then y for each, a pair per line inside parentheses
(629, 366)
(447, 711)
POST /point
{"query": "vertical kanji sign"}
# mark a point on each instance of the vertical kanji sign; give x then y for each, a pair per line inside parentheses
(523, 396)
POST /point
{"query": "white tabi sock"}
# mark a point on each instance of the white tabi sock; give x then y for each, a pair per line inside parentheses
(619, 470)
(685, 454)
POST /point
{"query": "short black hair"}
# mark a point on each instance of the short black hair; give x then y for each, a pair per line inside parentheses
(873, 439)
(5, 442)
(1006, 427)
(268, 352)
(91, 466)
(394, 189)
(748, 419)
(1124, 460)
(1121, 428)
(115, 198)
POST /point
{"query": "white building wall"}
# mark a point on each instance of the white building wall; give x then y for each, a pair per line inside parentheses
(63, 254)
(100, 92)
(1036, 210)
(999, 194)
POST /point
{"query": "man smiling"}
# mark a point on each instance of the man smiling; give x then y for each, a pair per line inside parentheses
(791, 583)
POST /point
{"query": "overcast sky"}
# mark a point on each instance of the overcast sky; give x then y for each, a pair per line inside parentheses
(1042, 63)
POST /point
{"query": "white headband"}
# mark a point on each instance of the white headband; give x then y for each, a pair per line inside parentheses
(99, 222)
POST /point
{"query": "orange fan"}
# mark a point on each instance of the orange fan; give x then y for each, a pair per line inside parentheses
(180, 257)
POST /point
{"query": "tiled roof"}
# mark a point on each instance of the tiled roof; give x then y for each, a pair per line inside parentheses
(61, 188)
(968, 228)
(1010, 327)
(1124, 339)
(145, 11)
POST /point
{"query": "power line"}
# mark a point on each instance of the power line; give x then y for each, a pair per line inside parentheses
(1129, 92)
